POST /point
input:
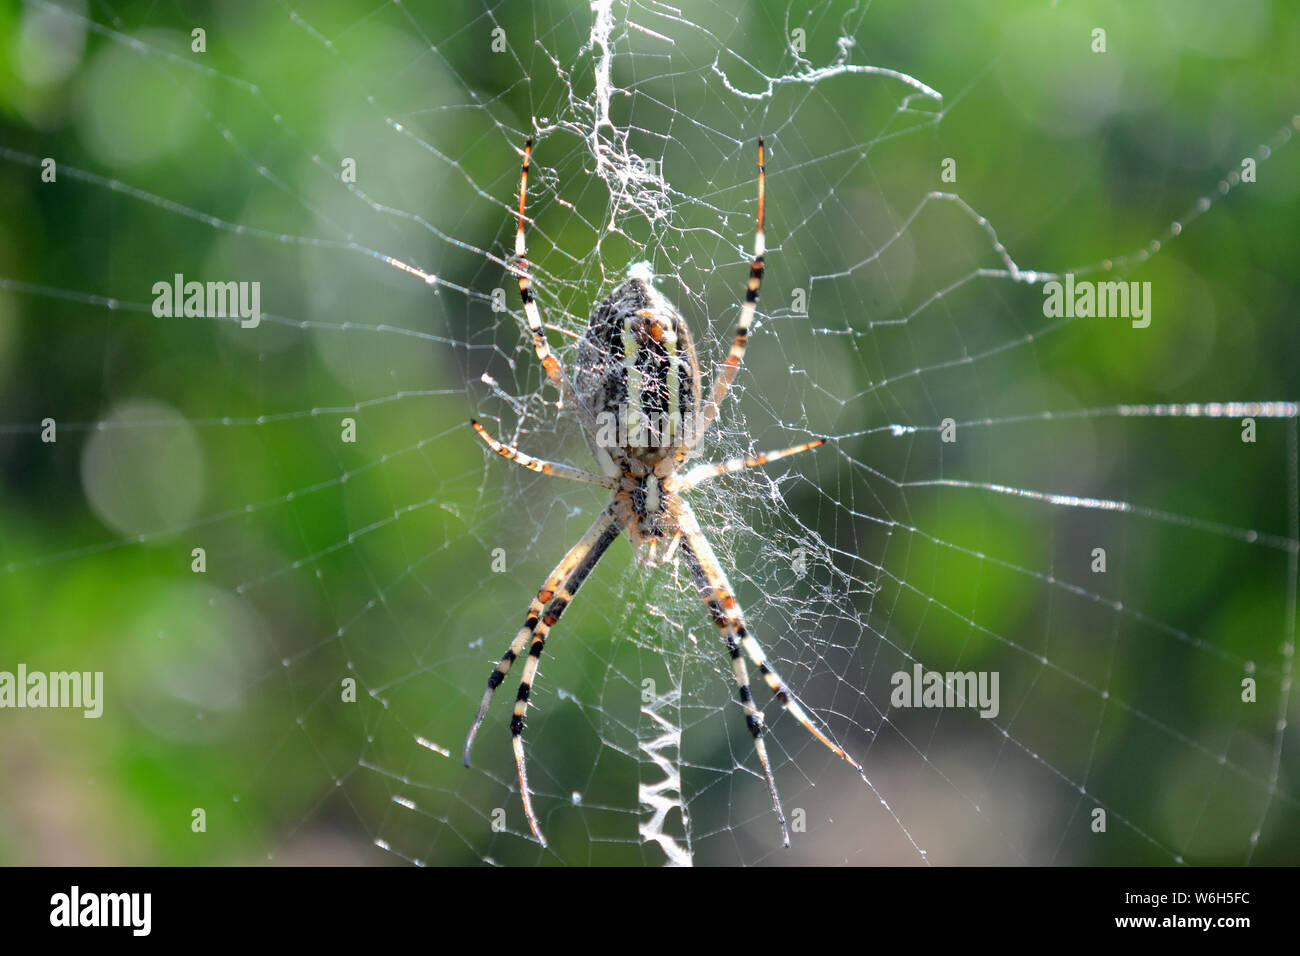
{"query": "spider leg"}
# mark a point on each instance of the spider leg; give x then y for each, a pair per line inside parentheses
(611, 530)
(556, 594)
(715, 589)
(702, 473)
(553, 468)
(536, 328)
(737, 355)
(549, 362)
(561, 571)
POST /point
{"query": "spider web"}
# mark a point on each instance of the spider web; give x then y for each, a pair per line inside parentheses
(893, 301)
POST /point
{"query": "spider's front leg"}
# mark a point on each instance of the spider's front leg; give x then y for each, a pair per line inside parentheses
(715, 589)
(545, 610)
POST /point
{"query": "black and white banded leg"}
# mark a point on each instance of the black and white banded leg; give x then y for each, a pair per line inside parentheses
(545, 610)
(702, 473)
(727, 374)
(522, 271)
(525, 279)
(554, 468)
(720, 599)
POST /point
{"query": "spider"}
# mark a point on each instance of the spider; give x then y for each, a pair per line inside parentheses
(636, 393)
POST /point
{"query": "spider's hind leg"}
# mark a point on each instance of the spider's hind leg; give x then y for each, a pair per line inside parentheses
(524, 277)
(522, 270)
(727, 374)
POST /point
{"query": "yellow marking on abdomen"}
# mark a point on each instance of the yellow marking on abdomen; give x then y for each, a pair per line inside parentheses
(633, 411)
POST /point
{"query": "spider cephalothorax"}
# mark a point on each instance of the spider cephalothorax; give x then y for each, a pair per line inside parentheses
(636, 392)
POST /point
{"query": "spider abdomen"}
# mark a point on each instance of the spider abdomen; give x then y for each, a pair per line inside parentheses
(638, 375)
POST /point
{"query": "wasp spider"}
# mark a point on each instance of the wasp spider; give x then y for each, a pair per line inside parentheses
(636, 392)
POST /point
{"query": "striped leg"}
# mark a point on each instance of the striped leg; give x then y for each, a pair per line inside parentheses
(737, 355)
(702, 473)
(576, 555)
(536, 328)
(553, 468)
(605, 536)
(522, 274)
(715, 589)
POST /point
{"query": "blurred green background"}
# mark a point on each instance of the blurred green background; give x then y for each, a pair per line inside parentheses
(373, 560)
